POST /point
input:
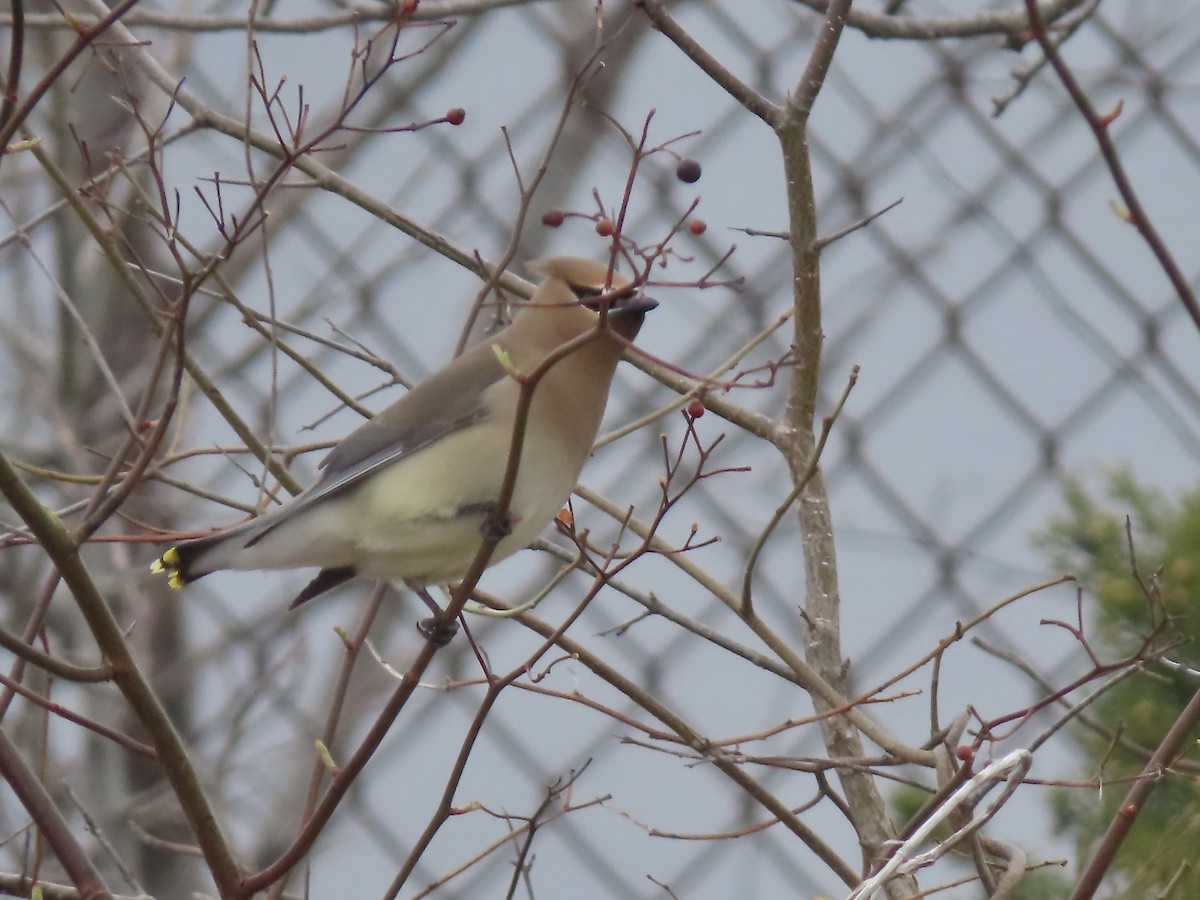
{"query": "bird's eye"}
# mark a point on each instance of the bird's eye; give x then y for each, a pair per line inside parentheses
(588, 295)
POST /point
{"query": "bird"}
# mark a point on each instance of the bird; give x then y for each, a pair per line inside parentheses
(405, 498)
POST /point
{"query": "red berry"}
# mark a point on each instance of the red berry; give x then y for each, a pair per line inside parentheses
(965, 752)
(552, 218)
(604, 227)
(697, 226)
(408, 7)
(456, 115)
(688, 170)
(695, 409)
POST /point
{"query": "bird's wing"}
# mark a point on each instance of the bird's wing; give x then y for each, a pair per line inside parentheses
(452, 399)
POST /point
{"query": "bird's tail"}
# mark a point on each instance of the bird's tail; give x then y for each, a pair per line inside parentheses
(189, 560)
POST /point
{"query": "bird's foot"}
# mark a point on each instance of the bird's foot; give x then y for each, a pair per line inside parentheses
(437, 633)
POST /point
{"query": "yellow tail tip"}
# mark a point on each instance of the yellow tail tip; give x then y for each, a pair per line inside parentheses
(168, 564)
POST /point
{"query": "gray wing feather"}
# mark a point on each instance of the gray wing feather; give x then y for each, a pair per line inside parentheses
(450, 400)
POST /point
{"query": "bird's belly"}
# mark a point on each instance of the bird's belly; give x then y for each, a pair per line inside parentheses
(414, 524)
(431, 550)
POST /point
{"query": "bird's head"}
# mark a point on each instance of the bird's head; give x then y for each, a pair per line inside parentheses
(571, 279)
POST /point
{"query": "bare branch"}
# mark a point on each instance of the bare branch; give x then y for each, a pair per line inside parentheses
(1100, 125)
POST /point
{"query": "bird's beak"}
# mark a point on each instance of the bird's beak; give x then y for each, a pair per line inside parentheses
(627, 314)
(639, 304)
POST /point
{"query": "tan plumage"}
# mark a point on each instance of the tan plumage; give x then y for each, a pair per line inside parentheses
(403, 497)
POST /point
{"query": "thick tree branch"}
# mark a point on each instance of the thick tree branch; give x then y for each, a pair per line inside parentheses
(822, 601)
(46, 816)
(142, 699)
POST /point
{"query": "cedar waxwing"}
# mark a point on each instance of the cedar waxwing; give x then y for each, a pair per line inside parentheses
(403, 498)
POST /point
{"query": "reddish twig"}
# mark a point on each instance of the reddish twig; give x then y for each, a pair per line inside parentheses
(1135, 800)
(16, 55)
(1134, 213)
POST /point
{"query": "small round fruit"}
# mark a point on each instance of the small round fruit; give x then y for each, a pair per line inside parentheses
(456, 115)
(604, 227)
(697, 226)
(688, 170)
(553, 217)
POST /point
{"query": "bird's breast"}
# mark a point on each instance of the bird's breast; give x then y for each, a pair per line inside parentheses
(420, 518)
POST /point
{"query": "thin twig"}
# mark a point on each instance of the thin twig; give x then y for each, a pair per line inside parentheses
(16, 56)
(751, 99)
(1106, 851)
(98, 833)
(823, 242)
(794, 493)
(83, 39)
(906, 859)
(1135, 214)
